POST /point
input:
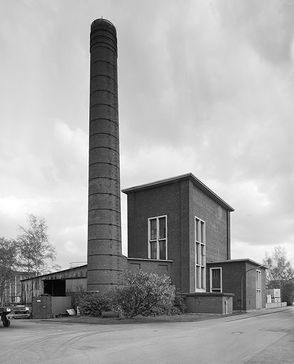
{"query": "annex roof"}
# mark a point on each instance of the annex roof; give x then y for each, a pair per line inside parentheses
(187, 176)
(245, 260)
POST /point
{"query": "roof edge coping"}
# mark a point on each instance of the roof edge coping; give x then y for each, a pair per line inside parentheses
(187, 176)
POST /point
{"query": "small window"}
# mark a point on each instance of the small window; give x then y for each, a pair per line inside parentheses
(157, 237)
(216, 279)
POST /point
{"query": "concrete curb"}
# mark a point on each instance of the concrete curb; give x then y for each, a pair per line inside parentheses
(187, 317)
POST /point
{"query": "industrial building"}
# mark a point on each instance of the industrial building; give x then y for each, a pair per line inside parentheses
(177, 226)
(184, 224)
(181, 228)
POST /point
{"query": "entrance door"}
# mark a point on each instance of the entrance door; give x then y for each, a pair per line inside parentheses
(54, 287)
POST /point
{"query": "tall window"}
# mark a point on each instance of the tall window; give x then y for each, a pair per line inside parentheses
(216, 279)
(258, 289)
(200, 260)
(258, 279)
(157, 237)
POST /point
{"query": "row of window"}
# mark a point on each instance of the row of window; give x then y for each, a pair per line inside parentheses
(157, 246)
(216, 281)
(157, 249)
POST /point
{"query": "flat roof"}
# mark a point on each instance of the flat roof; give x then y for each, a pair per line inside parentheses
(187, 176)
(238, 261)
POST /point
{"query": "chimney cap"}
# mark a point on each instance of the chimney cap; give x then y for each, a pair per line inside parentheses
(102, 23)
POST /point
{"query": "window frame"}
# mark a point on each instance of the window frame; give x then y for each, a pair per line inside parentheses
(258, 288)
(258, 279)
(158, 239)
(200, 254)
(221, 279)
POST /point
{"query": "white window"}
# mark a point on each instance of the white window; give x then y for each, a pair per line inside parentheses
(200, 255)
(216, 279)
(258, 280)
(258, 289)
(157, 237)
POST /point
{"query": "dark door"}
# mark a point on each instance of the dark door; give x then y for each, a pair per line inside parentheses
(54, 287)
(41, 308)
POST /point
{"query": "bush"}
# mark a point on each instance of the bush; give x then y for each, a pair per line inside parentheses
(142, 294)
(179, 304)
(145, 294)
(94, 303)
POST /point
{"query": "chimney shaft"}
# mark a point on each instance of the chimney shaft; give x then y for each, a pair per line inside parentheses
(104, 217)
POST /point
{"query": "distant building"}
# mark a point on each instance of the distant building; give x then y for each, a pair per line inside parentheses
(13, 290)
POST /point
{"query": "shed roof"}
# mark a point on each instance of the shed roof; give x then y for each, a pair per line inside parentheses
(183, 177)
(64, 271)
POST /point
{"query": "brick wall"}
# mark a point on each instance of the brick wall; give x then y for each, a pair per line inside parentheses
(209, 303)
(151, 265)
(216, 217)
(170, 200)
(181, 201)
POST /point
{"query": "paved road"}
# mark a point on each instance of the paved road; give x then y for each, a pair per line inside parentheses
(247, 338)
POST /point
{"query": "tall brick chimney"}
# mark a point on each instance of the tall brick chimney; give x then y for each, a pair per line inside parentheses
(105, 260)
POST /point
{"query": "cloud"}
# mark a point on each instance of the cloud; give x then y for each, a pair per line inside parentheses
(48, 178)
(224, 95)
(204, 87)
(266, 25)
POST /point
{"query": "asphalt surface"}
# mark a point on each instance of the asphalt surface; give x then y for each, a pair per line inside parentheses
(257, 337)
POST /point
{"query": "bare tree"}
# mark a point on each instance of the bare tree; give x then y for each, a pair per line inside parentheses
(36, 253)
(279, 268)
(8, 263)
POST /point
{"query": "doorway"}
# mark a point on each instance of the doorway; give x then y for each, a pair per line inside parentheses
(54, 287)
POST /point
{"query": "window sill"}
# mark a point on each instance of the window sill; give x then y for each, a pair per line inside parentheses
(152, 260)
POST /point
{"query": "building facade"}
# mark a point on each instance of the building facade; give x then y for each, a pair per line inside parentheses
(184, 226)
(179, 220)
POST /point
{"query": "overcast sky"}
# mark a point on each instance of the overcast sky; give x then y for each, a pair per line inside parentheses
(205, 87)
